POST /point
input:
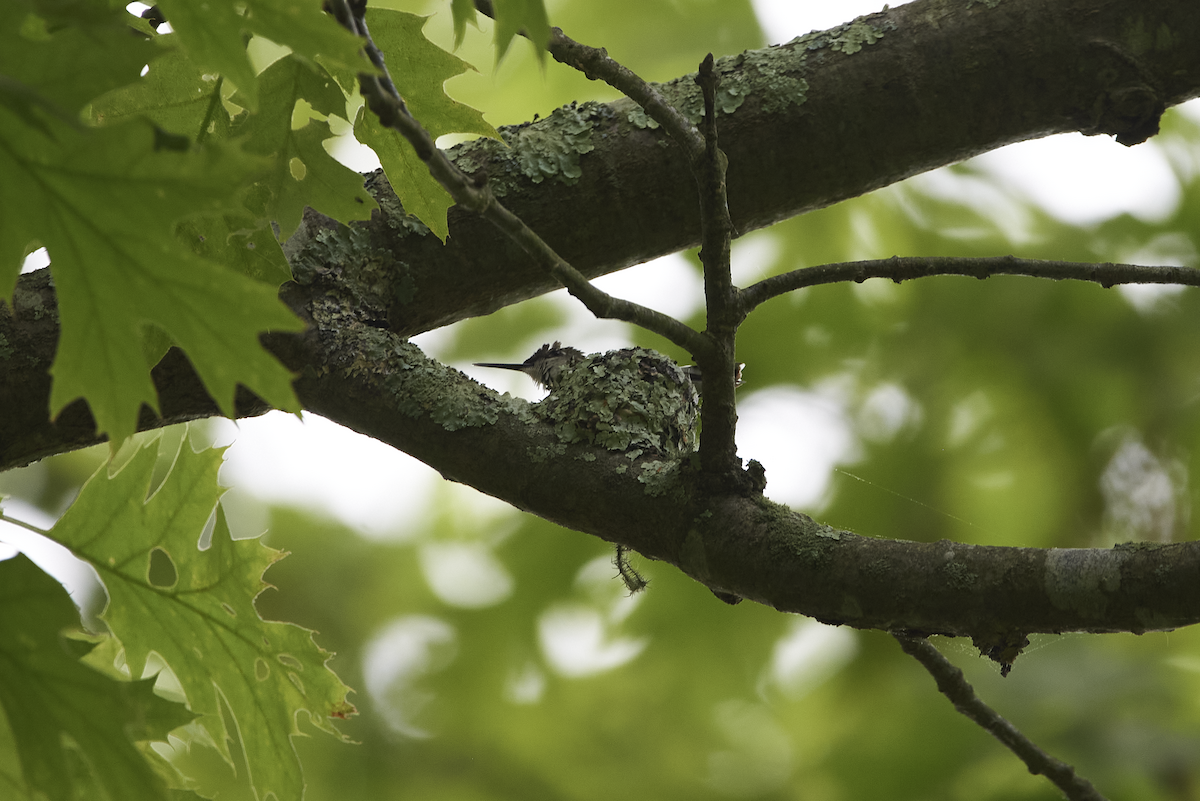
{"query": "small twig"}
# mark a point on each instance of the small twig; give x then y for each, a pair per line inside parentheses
(596, 64)
(718, 450)
(900, 269)
(383, 99)
(952, 684)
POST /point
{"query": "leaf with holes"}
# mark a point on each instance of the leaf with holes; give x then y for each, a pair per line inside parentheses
(301, 171)
(202, 621)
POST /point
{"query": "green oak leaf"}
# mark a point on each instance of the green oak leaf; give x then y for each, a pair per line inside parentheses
(72, 728)
(104, 202)
(419, 69)
(214, 34)
(204, 625)
(526, 17)
(302, 172)
(237, 241)
(77, 59)
(463, 12)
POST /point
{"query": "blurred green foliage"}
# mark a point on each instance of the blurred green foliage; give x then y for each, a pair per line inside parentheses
(1019, 395)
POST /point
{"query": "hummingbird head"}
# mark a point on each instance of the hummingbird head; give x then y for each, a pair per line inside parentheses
(546, 365)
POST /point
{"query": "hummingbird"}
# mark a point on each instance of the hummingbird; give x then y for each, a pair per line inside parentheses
(548, 362)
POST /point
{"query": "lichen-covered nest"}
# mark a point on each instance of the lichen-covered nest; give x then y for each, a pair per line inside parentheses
(632, 400)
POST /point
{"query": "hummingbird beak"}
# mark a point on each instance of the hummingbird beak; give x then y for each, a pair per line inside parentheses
(521, 367)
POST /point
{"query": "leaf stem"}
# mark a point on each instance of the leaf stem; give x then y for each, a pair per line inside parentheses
(22, 524)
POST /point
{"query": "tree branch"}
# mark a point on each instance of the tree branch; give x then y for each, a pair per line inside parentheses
(718, 444)
(907, 268)
(952, 684)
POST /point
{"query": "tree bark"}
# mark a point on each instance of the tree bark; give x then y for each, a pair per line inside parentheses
(818, 120)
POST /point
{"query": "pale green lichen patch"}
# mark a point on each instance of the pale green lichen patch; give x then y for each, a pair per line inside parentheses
(851, 37)
(415, 384)
(1081, 579)
(660, 478)
(551, 148)
(544, 453)
(848, 38)
(778, 89)
(625, 400)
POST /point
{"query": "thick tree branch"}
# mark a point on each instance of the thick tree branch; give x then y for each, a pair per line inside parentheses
(746, 546)
(374, 382)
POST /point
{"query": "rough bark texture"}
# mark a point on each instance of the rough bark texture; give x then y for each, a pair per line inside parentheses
(812, 122)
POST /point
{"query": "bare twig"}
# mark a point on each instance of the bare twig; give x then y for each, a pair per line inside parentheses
(718, 450)
(383, 99)
(900, 269)
(952, 684)
(596, 64)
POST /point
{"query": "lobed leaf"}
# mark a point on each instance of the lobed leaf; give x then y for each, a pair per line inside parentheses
(521, 17)
(204, 625)
(104, 203)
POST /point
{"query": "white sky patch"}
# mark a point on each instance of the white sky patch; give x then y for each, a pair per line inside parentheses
(1085, 179)
(784, 20)
(313, 463)
(798, 437)
(75, 575)
(576, 642)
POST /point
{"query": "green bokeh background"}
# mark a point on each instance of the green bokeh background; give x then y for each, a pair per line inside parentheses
(1020, 392)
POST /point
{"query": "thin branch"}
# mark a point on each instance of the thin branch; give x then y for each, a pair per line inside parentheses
(952, 684)
(596, 64)
(718, 449)
(900, 269)
(383, 99)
